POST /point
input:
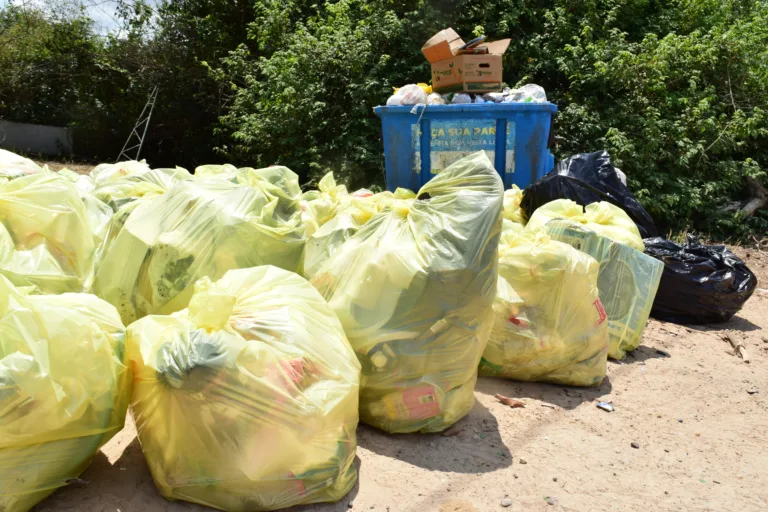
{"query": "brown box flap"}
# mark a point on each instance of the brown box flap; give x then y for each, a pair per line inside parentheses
(498, 47)
(443, 45)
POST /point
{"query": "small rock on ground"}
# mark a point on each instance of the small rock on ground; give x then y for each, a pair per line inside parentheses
(506, 502)
(635, 444)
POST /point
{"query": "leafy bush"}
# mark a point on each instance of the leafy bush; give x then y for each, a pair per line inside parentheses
(677, 91)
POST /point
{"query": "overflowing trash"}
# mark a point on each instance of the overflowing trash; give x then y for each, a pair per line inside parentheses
(247, 380)
(63, 389)
(414, 94)
(549, 323)
(700, 284)
(588, 178)
(413, 289)
(247, 400)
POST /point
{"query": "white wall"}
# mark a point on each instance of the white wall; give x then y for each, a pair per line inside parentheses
(35, 138)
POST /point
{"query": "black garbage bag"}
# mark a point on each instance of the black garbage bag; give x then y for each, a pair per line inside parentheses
(587, 178)
(701, 284)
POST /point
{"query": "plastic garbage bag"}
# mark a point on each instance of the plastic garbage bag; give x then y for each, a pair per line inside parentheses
(63, 389)
(549, 323)
(627, 282)
(603, 218)
(350, 213)
(588, 178)
(413, 289)
(197, 228)
(104, 173)
(319, 206)
(227, 172)
(121, 191)
(410, 94)
(512, 199)
(529, 93)
(15, 166)
(247, 400)
(459, 98)
(435, 99)
(45, 234)
(701, 284)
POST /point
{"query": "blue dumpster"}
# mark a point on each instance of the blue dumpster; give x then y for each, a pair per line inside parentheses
(419, 142)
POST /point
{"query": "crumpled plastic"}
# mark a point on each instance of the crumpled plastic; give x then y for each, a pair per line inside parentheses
(63, 389)
(197, 228)
(549, 322)
(701, 284)
(512, 211)
(413, 289)
(410, 94)
(45, 234)
(339, 218)
(603, 218)
(247, 400)
(529, 93)
(104, 173)
(628, 281)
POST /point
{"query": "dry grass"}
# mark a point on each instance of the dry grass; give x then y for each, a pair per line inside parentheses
(78, 167)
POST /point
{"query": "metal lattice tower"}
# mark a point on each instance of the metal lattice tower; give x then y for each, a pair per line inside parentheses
(146, 113)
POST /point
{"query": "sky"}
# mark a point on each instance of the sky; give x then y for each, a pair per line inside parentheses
(102, 11)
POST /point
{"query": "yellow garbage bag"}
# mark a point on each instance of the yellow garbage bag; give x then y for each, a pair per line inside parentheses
(226, 172)
(628, 282)
(150, 183)
(512, 211)
(105, 173)
(603, 218)
(413, 289)
(45, 239)
(549, 323)
(123, 195)
(197, 228)
(350, 214)
(15, 166)
(247, 400)
(319, 206)
(63, 389)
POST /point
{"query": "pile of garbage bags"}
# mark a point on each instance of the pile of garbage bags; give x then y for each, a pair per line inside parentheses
(262, 322)
(247, 400)
(64, 389)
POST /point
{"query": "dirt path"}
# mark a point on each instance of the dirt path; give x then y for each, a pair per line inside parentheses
(703, 440)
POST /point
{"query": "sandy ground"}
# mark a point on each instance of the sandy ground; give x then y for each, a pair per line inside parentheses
(703, 440)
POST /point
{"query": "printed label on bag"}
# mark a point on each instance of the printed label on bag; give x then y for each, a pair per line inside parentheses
(421, 402)
(600, 312)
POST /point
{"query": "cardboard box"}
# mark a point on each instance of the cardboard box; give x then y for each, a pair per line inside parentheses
(454, 71)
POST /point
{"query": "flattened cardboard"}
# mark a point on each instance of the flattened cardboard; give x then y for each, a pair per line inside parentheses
(442, 45)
